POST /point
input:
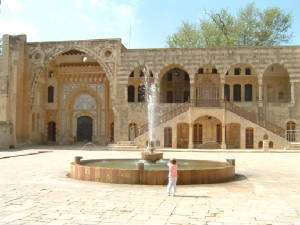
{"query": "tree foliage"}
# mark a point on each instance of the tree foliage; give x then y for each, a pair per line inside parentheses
(250, 27)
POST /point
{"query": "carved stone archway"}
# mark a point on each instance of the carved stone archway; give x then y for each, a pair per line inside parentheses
(51, 52)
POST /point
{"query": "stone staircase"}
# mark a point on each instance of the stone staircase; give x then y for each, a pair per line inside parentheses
(255, 118)
(208, 145)
(122, 145)
(230, 106)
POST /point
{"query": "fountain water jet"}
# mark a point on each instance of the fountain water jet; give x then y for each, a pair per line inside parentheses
(151, 90)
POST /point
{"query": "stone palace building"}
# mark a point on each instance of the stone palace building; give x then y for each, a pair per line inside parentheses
(68, 92)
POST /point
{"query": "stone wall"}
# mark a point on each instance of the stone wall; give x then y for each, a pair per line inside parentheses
(5, 134)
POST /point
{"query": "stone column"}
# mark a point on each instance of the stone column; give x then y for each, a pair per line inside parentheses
(242, 92)
(292, 93)
(260, 90)
(242, 137)
(174, 136)
(231, 93)
(126, 93)
(222, 83)
(260, 97)
(223, 144)
(190, 136)
(192, 92)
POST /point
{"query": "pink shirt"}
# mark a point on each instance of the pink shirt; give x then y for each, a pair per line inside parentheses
(172, 170)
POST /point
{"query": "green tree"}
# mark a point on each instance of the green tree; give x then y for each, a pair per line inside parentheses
(250, 27)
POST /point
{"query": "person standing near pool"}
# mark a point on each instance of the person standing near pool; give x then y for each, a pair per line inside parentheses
(172, 176)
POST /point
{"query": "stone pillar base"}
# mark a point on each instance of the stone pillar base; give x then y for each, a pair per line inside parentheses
(223, 146)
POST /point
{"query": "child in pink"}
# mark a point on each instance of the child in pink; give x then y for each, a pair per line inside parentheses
(172, 176)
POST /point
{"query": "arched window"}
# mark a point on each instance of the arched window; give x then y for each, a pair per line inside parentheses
(51, 74)
(227, 92)
(290, 131)
(169, 97)
(131, 74)
(200, 70)
(290, 125)
(249, 137)
(50, 94)
(237, 92)
(214, 71)
(142, 73)
(141, 93)
(130, 93)
(260, 144)
(248, 92)
(271, 144)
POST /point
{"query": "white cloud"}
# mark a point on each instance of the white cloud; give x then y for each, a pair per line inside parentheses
(16, 27)
(13, 6)
(85, 18)
(78, 4)
(116, 18)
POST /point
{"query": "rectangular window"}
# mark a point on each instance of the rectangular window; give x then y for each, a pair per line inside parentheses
(248, 71)
(237, 92)
(237, 71)
(227, 92)
(248, 92)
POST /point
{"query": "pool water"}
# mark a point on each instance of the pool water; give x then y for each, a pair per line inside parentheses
(159, 165)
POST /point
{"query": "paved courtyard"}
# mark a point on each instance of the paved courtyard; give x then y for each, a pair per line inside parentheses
(34, 189)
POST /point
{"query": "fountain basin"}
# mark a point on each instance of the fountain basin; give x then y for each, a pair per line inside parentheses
(124, 171)
(152, 156)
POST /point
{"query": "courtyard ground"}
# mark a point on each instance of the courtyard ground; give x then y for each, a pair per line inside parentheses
(34, 189)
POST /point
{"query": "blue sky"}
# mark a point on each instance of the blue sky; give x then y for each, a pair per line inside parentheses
(139, 23)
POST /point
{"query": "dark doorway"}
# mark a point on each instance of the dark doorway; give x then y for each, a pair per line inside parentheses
(84, 128)
(51, 131)
(168, 137)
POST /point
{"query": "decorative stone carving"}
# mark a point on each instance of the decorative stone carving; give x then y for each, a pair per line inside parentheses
(84, 101)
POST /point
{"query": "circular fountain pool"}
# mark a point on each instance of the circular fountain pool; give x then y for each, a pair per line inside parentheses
(124, 171)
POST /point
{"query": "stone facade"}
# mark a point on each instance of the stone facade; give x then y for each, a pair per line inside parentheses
(92, 90)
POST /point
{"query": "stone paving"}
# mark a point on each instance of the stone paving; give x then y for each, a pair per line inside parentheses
(34, 189)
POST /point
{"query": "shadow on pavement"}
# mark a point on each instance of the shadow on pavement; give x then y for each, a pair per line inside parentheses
(192, 196)
(239, 177)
